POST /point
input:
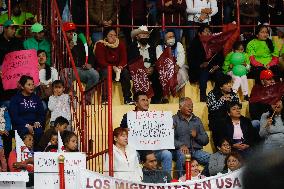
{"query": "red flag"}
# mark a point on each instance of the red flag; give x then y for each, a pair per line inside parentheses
(267, 95)
(167, 73)
(233, 38)
(140, 77)
(214, 43)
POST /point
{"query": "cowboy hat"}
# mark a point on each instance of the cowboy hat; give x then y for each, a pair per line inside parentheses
(141, 29)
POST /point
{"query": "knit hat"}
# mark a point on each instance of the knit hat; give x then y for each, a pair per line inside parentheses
(37, 28)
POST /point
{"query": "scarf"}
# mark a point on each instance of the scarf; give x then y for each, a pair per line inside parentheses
(107, 44)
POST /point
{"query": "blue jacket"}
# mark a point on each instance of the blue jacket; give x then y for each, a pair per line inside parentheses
(26, 110)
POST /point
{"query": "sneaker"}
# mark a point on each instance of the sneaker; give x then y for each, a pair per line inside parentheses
(246, 98)
(129, 102)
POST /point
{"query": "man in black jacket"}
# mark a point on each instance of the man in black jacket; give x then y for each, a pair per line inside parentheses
(200, 69)
(151, 172)
(141, 47)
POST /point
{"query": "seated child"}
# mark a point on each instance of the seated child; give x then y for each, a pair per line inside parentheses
(53, 142)
(237, 65)
(27, 163)
(59, 103)
(60, 124)
(195, 172)
(5, 127)
(70, 141)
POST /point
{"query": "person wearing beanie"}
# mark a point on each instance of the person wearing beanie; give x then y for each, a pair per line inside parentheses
(217, 102)
(38, 41)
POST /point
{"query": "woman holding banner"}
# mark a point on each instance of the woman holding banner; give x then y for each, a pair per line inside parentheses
(125, 159)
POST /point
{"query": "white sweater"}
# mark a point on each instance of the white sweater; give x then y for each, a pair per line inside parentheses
(59, 106)
(180, 53)
(54, 76)
(194, 9)
(127, 166)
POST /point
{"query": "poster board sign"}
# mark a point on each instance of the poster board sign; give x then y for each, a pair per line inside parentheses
(150, 130)
(95, 180)
(12, 180)
(47, 168)
(18, 63)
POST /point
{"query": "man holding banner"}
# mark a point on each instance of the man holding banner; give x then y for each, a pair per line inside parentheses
(8, 43)
(142, 104)
(190, 136)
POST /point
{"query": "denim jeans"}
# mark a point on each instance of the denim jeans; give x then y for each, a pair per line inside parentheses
(165, 157)
(201, 156)
(90, 77)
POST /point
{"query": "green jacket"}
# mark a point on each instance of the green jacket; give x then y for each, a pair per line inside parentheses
(32, 43)
(260, 51)
(226, 66)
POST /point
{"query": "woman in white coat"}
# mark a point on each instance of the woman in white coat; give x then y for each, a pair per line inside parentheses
(125, 159)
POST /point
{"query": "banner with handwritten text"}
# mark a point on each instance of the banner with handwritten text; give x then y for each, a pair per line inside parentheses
(95, 180)
(18, 63)
(150, 130)
(46, 169)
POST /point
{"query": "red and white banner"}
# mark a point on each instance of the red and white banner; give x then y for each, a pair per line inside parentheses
(140, 78)
(167, 73)
(95, 180)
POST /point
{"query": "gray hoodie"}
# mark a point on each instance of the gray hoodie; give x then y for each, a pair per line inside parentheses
(274, 135)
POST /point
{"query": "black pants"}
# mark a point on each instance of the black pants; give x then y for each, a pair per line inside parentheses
(7, 141)
(124, 80)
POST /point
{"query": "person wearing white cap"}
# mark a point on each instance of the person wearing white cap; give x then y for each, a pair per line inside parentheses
(38, 41)
(141, 47)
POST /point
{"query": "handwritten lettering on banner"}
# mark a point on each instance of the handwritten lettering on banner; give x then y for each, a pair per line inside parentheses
(18, 63)
(46, 169)
(98, 181)
(150, 130)
(11, 180)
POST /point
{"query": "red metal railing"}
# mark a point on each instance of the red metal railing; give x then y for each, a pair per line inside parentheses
(93, 123)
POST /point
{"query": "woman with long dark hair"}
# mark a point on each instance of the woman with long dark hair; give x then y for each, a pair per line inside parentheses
(47, 75)
(263, 54)
(272, 126)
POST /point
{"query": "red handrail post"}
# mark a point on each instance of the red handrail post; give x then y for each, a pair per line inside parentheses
(87, 21)
(238, 15)
(83, 122)
(163, 17)
(188, 167)
(39, 11)
(9, 9)
(110, 134)
(61, 159)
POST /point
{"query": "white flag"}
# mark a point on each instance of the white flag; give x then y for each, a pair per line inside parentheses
(60, 143)
(19, 145)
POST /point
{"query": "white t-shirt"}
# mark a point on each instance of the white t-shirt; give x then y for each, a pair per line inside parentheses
(54, 76)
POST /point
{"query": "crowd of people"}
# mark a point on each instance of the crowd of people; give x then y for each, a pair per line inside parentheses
(234, 136)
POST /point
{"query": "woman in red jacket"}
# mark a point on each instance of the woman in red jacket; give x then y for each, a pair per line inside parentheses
(112, 51)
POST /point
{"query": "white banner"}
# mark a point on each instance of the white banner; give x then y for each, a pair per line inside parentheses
(150, 130)
(98, 181)
(11, 180)
(47, 168)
